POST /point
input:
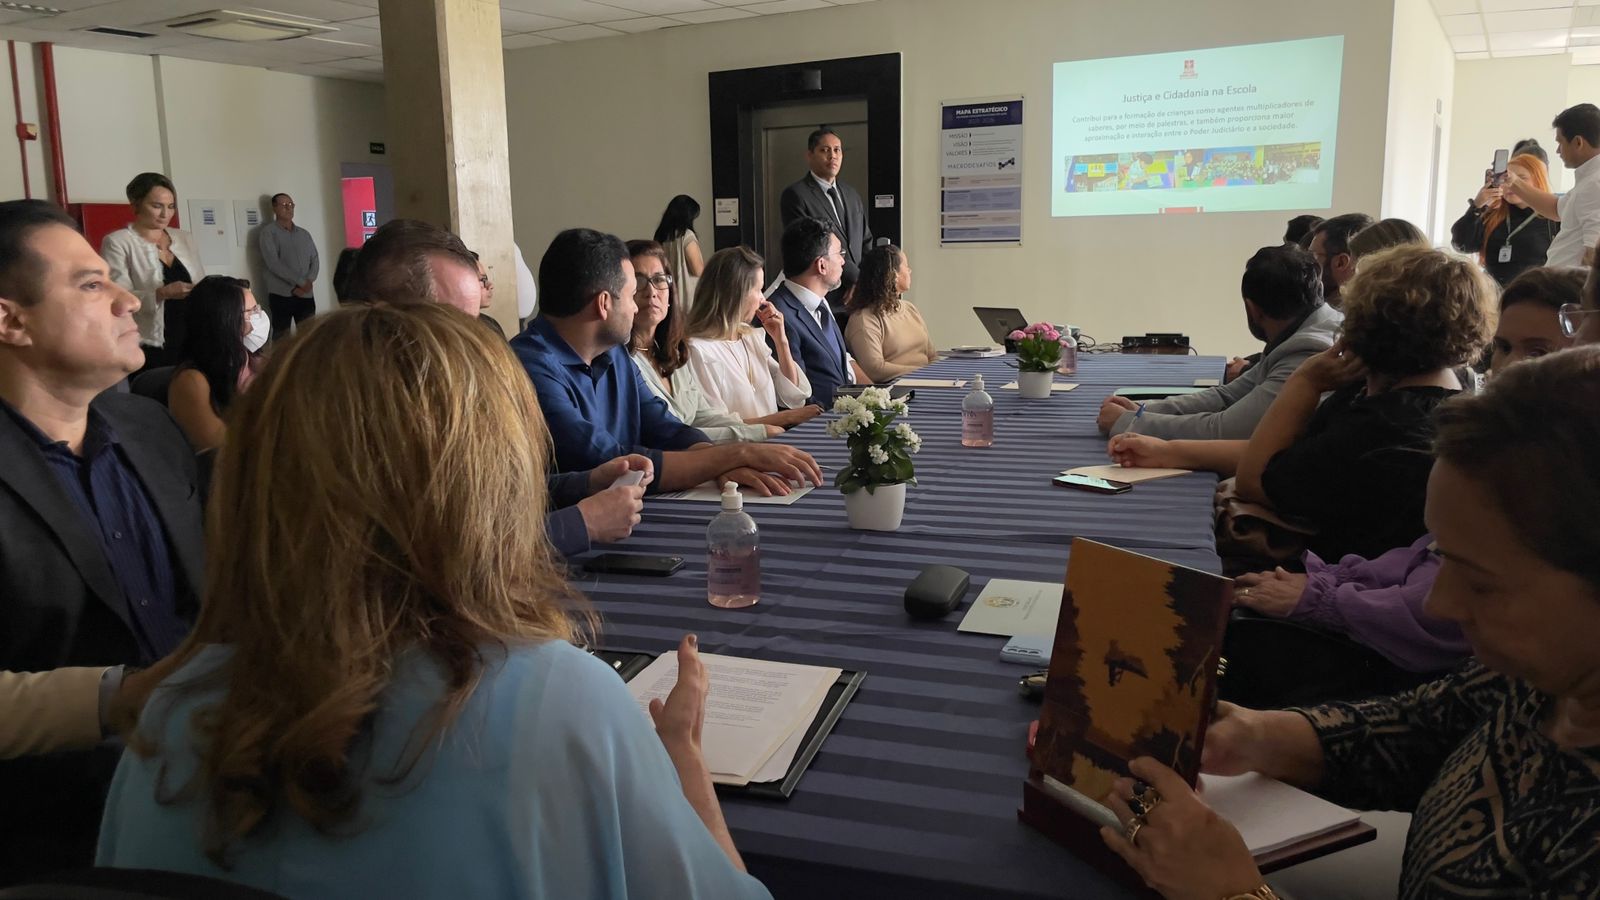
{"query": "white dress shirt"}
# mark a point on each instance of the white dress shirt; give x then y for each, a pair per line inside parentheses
(1579, 210)
(813, 304)
(743, 377)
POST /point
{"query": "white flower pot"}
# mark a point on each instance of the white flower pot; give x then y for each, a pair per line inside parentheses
(1034, 385)
(880, 510)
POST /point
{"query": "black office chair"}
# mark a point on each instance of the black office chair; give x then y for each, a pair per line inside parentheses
(132, 884)
(153, 383)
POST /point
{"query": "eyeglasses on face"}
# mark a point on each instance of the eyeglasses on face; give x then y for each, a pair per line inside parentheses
(660, 281)
(1571, 316)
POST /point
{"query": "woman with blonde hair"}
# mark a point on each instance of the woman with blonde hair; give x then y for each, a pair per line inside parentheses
(401, 711)
(1506, 234)
(735, 367)
(1383, 234)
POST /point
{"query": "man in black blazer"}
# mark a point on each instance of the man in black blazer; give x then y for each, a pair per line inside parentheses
(821, 195)
(813, 261)
(101, 550)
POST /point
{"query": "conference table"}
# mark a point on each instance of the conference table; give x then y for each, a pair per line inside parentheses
(915, 793)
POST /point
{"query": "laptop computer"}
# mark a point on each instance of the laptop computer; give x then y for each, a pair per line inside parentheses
(1000, 322)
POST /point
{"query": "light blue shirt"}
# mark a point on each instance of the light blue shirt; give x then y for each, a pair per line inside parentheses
(551, 784)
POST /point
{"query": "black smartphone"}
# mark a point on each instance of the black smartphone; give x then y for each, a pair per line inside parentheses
(633, 564)
(1497, 172)
(1090, 483)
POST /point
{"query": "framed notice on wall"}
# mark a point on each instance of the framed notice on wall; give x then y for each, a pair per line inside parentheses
(980, 172)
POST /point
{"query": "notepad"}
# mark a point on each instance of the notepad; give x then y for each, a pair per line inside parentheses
(1055, 387)
(756, 711)
(708, 493)
(1132, 475)
(930, 383)
(1269, 814)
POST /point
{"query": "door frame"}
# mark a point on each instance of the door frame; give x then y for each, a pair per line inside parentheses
(736, 94)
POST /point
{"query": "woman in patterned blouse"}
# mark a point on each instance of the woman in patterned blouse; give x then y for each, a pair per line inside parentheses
(1499, 763)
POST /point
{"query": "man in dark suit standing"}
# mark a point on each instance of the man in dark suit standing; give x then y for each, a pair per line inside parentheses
(813, 262)
(101, 559)
(821, 195)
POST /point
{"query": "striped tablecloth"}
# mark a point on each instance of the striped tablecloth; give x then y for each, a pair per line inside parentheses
(916, 791)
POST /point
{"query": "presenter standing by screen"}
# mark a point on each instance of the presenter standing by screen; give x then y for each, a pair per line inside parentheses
(821, 195)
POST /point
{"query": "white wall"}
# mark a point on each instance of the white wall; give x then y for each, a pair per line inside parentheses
(218, 131)
(10, 160)
(1499, 102)
(604, 132)
(1422, 68)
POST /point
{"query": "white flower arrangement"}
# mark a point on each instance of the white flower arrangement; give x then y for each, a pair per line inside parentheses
(880, 448)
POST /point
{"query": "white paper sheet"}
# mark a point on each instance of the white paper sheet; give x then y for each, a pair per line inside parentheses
(710, 494)
(930, 383)
(753, 708)
(1270, 814)
(1125, 475)
(1055, 387)
(1009, 608)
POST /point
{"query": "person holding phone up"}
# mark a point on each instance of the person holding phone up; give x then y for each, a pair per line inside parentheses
(1499, 226)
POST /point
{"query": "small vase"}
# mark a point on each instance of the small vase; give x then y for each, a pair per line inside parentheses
(880, 510)
(1034, 385)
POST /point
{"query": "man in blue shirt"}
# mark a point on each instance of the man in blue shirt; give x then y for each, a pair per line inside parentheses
(595, 401)
(409, 261)
(101, 560)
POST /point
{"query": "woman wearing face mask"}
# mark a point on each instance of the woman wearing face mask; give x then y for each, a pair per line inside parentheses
(219, 356)
(1508, 236)
(159, 264)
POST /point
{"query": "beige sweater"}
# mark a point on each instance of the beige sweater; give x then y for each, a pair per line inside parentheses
(890, 345)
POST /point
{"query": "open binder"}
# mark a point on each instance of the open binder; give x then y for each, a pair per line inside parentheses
(1133, 672)
(838, 696)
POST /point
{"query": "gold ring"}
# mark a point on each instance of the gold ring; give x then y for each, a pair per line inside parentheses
(1132, 831)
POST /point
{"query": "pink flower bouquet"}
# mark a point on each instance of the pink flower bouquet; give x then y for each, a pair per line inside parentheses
(1039, 347)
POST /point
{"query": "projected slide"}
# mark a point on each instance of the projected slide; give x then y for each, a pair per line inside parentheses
(1220, 130)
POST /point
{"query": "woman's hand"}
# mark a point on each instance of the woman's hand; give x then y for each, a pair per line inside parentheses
(1181, 847)
(1233, 741)
(174, 291)
(1489, 196)
(1141, 451)
(1274, 593)
(771, 320)
(1331, 369)
(681, 716)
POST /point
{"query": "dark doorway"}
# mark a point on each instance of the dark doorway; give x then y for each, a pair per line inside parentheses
(756, 115)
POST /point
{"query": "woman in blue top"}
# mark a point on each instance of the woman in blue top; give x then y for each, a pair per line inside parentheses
(400, 710)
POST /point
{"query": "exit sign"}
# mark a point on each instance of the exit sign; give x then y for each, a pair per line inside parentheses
(376, 148)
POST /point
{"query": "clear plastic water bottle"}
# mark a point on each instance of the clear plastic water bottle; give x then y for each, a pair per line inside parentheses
(733, 554)
(977, 416)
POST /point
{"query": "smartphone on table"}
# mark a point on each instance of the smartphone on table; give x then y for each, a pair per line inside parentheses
(633, 564)
(1092, 484)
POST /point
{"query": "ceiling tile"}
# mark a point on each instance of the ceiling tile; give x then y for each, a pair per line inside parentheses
(1585, 15)
(327, 10)
(1528, 40)
(1472, 56)
(776, 7)
(1466, 43)
(648, 23)
(578, 33)
(713, 15)
(1508, 54)
(1587, 56)
(516, 22)
(570, 10)
(521, 41)
(1490, 6)
(359, 64)
(661, 7)
(1585, 41)
(1469, 24)
(1527, 20)
(1455, 7)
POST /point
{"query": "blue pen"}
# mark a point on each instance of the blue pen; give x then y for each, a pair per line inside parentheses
(1139, 412)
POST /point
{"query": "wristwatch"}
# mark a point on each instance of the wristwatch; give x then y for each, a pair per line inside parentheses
(1260, 893)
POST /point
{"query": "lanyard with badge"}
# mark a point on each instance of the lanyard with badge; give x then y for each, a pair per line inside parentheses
(1505, 249)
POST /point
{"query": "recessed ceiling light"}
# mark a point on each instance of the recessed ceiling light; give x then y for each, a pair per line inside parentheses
(31, 8)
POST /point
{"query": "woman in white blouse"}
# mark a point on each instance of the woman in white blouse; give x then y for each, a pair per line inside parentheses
(660, 351)
(156, 263)
(731, 360)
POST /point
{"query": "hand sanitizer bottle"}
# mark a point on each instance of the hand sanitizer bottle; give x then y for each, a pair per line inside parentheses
(977, 416)
(733, 557)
